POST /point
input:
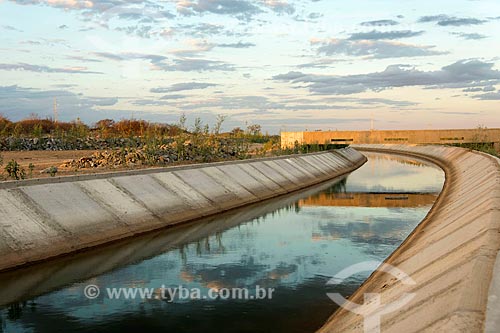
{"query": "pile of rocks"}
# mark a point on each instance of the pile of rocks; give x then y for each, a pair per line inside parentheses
(157, 155)
(49, 143)
(112, 159)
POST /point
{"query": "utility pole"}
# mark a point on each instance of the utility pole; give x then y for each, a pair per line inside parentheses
(371, 123)
(55, 109)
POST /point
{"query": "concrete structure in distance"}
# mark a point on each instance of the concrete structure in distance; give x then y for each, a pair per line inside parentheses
(439, 136)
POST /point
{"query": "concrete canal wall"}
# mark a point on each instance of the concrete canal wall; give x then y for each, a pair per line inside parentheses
(44, 218)
(43, 277)
(451, 255)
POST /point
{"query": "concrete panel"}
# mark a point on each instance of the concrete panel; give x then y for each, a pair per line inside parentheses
(123, 206)
(198, 203)
(71, 208)
(242, 177)
(209, 188)
(313, 169)
(275, 176)
(231, 185)
(294, 165)
(294, 177)
(321, 163)
(22, 228)
(150, 193)
(333, 162)
(264, 180)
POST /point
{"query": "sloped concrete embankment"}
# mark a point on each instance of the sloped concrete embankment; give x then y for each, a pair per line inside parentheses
(37, 279)
(45, 218)
(450, 255)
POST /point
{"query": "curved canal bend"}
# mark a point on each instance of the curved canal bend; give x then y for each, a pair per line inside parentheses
(293, 245)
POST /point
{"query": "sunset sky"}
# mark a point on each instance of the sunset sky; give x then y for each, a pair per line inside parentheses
(287, 65)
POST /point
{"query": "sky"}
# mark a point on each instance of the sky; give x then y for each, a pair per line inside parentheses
(287, 65)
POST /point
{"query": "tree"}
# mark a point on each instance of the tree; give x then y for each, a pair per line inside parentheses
(218, 124)
(237, 131)
(254, 129)
(105, 124)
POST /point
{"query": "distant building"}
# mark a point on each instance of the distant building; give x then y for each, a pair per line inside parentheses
(445, 136)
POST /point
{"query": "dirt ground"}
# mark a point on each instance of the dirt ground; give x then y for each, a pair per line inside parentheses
(45, 159)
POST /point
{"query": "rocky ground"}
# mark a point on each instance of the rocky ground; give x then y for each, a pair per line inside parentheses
(72, 162)
(48, 143)
(44, 159)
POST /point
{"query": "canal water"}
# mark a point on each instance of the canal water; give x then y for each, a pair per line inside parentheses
(283, 251)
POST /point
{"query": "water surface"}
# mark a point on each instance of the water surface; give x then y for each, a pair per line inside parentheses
(293, 245)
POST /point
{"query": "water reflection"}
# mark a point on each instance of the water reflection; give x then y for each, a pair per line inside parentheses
(293, 245)
(391, 173)
(353, 199)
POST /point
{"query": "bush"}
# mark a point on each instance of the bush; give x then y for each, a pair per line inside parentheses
(14, 170)
(31, 167)
(52, 171)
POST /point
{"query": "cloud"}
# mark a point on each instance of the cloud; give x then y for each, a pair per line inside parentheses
(159, 62)
(241, 9)
(183, 87)
(11, 28)
(196, 47)
(377, 35)
(148, 102)
(249, 102)
(65, 85)
(66, 4)
(125, 56)
(45, 69)
(320, 63)
(47, 42)
(374, 49)
(157, 102)
(144, 31)
(123, 9)
(460, 74)
(82, 58)
(469, 36)
(480, 89)
(208, 29)
(314, 16)
(492, 96)
(19, 102)
(379, 23)
(102, 12)
(287, 103)
(280, 6)
(174, 96)
(239, 45)
(445, 20)
(383, 101)
(194, 65)
(202, 29)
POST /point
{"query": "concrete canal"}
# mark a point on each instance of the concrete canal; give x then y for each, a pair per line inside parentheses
(289, 247)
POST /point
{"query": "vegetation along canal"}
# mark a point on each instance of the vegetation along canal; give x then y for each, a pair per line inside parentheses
(290, 246)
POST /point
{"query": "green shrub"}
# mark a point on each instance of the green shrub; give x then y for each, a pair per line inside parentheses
(14, 170)
(52, 171)
(31, 167)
